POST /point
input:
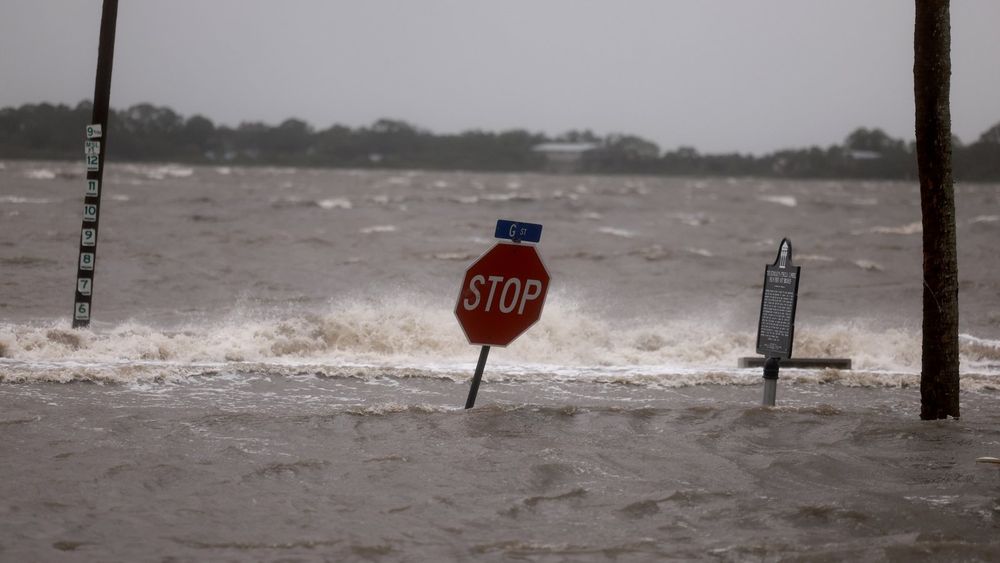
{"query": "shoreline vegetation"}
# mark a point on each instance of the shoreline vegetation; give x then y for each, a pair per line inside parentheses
(145, 132)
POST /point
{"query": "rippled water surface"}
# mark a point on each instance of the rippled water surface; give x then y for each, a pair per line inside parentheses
(275, 372)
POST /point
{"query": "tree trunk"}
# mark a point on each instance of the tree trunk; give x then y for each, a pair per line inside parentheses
(931, 86)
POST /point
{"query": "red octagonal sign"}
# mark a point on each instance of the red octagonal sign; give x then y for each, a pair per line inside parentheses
(502, 294)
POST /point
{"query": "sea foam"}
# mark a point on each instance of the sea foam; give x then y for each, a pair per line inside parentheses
(407, 335)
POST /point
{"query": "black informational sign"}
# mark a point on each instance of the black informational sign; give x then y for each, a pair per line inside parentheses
(776, 327)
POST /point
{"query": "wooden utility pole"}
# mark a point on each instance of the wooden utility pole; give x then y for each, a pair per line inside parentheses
(939, 387)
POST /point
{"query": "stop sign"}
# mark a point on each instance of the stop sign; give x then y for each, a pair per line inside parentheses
(502, 294)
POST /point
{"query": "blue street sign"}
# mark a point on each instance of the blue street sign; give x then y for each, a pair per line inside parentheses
(519, 232)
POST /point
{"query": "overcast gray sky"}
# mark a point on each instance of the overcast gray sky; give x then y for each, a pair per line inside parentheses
(749, 76)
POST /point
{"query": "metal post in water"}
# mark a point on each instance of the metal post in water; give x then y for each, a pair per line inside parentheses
(771, 367)
(471, 401)
(95, 148)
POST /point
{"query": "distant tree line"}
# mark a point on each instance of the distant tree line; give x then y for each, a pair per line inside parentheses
(145, 132)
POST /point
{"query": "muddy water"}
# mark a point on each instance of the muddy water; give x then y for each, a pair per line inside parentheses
(275, 372)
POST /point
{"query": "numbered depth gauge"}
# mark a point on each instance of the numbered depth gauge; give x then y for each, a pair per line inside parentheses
(88, 230)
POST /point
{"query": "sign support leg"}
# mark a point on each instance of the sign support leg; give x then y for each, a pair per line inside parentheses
(771, 366)
(471, 401)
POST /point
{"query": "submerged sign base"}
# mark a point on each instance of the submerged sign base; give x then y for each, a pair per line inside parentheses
(800, 363)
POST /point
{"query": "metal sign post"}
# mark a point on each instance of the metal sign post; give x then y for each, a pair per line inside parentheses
(484, 352)
(95, 149)
(502, 293)
(776, 328)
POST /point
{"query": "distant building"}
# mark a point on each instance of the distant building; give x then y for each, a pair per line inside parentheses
(863, 155)
(565, 157)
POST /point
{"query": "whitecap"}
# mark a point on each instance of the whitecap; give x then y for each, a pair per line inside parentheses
(498, 197)
(700, 252)
(509, 197)
(379, 229)
(616, 232)
(335, 203)
(935, 501)
(452, 256)
(559, 194)
(20, 199)
(908, 229)
(40, 174)
(980, 352)
(167, 171)
(813, 258)
(786, 200)
(869, 265)
(409, 335)
(985, 219)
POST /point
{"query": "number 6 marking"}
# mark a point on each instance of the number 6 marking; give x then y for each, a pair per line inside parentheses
(82, 311)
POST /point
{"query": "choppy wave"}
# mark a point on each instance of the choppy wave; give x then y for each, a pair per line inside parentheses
(22, 199)
(406, 336)
(985, 219)
(907, 229)
(378, 229)
(40, 174)
(157, 171)
(616, 232)
(335, 203)
(786, 200)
